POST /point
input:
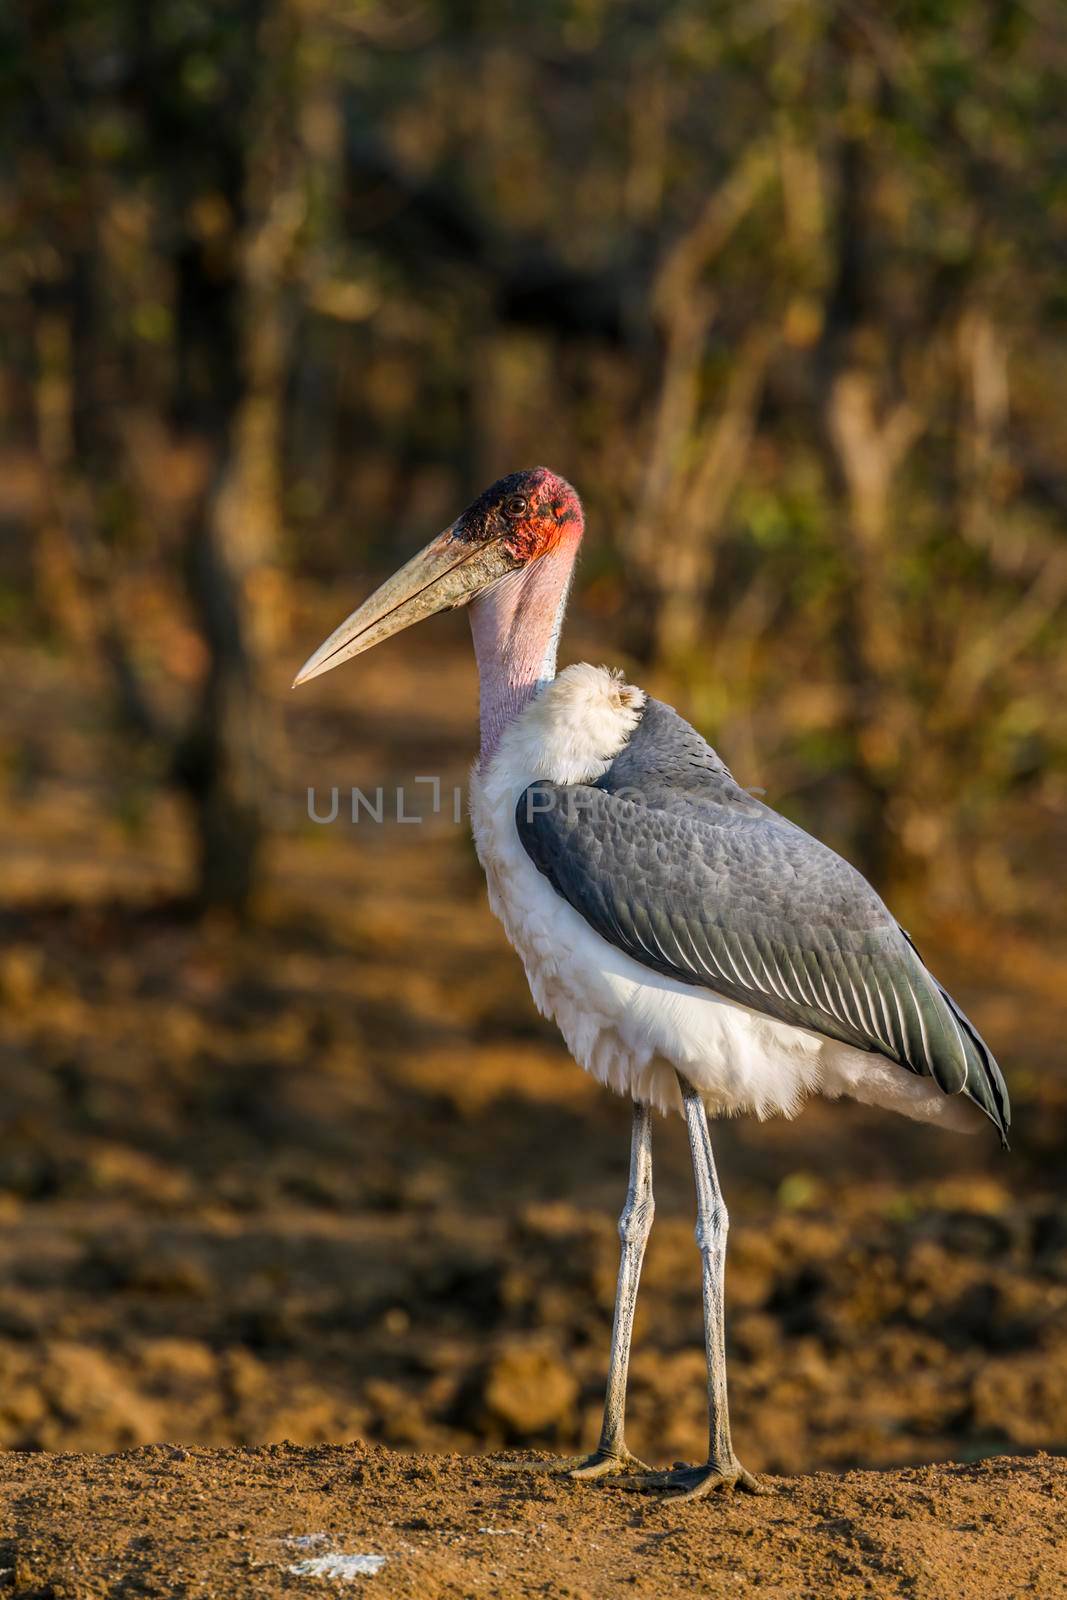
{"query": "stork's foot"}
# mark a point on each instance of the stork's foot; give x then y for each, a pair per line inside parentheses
(605, 1464)
(693, 1483)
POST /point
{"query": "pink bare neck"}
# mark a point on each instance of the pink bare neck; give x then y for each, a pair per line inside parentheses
(516, 627)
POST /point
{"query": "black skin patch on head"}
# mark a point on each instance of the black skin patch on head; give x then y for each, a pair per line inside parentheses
(485, 518)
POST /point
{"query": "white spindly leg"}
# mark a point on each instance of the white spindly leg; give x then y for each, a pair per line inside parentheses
(635, 1223)
(722, 1470)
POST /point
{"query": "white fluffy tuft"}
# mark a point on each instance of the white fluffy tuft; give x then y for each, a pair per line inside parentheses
(572, 730)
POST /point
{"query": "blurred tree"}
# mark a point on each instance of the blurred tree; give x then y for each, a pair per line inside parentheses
(160, 227)
(781, 289)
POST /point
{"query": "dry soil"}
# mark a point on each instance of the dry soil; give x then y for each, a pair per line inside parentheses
(282, 1520)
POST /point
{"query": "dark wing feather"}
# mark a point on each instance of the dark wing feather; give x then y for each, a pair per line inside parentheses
(671, 862)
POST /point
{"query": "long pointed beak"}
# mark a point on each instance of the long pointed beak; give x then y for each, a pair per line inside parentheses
(448, 573)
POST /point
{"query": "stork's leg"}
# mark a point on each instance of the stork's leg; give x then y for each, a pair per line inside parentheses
(722, 1470)
(635, 1222)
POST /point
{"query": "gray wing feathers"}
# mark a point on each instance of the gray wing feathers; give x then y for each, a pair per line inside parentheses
(674, 864)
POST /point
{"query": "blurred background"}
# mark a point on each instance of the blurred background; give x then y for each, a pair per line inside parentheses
(285, 1151)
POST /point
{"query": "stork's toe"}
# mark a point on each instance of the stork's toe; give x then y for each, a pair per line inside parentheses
(606, 1464)
(693, 1483)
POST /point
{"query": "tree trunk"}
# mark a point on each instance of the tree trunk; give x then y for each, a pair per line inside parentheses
(867, 436)
(221, 762)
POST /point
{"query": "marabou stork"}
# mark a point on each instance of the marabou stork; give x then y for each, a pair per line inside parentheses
(698, 952)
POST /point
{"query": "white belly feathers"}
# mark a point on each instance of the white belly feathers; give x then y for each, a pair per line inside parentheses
(622, 1022)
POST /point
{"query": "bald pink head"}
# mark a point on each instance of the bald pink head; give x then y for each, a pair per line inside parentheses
(530, 512)
(509, 557)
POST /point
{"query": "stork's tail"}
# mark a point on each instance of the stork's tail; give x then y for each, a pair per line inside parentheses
(984, 1082)
(976, 1075)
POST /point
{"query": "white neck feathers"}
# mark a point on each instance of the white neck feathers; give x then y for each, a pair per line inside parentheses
(570, 732)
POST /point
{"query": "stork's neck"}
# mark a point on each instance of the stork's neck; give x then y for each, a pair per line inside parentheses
(516, 627)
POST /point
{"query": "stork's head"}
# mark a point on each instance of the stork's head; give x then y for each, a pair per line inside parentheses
(513, 525)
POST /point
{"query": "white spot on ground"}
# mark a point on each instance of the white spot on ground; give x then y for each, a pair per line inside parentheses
(336, 1565)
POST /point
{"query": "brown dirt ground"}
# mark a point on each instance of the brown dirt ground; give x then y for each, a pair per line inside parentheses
(169, 1521)
(330, 1176)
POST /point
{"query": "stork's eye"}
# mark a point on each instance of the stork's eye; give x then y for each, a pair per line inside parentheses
(516, 505)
